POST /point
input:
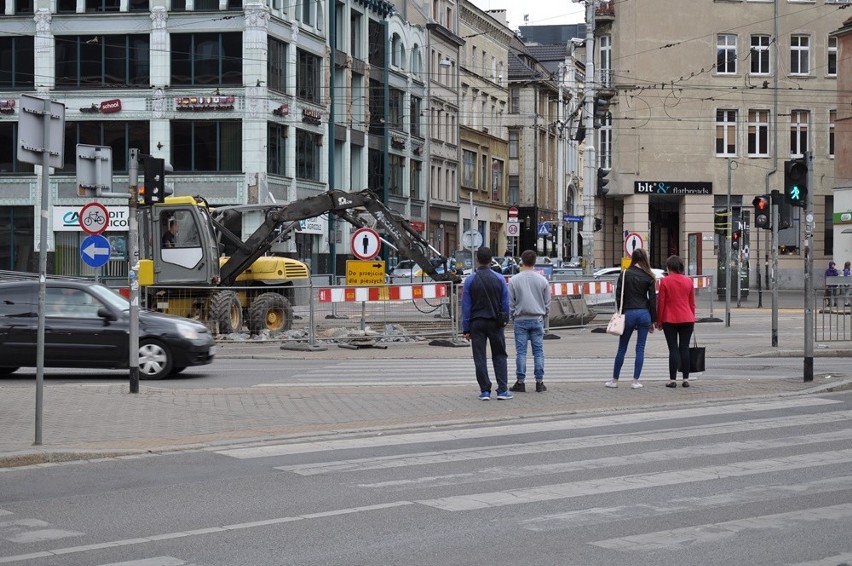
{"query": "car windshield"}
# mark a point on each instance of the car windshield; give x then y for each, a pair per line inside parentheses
(110, 297)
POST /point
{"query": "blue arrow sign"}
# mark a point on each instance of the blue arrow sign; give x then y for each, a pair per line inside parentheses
(95, 251)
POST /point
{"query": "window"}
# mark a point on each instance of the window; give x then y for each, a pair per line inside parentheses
(415, 176)
(305, 11)
(513, 144)
(66, 6)
(496, 180)
(207, 58)
(606, 60)
(137, 5)
(308, 155)
(468, 169)
(832, 118)
(514, 189)
(103, 60)
(276, 65)
(726, 133)
(276, 153)
(416, 109)
(800, 54)
(394, 118)
(828, 227)
(9, 152)
(355, 32)
(760, 55)
(726, 54)
(308, 68)
(397, 51)
(17, 63)
(799, 132)
(483, 173)
(24, 6)
(118, 135)
(606, 142)
(831, 69)
(102, 5)
(758, 133)
(207, 145)
(397, 166)
(514, 100)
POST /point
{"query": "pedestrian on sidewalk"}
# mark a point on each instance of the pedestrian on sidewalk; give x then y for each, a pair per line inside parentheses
(640, 312)
(485, 300)
(831, 291)
(676, 317)
(529, 292)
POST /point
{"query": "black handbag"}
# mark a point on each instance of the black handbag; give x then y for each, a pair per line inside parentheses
(696, 356)
(500, 317)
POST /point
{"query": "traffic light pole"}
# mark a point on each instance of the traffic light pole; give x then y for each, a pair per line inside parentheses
(809, 269)
(133, 270)
(775, 198)
(590, 159)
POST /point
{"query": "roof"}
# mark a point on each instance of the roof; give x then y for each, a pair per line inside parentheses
(552, 35)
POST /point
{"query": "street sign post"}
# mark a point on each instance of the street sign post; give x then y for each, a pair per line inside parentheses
(94, 218)
(365, 243)
(95, 251)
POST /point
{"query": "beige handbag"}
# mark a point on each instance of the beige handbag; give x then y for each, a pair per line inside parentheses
(616, 323)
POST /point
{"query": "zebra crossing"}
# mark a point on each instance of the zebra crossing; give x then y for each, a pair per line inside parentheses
(677, 485)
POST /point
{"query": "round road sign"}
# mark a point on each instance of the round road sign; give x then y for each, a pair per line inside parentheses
(94, 218)
(95, 250)
(513, 229)
(631, 242)
(513, 214)
(365, 243)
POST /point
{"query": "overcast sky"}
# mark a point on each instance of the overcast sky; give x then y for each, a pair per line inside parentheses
(539, 12)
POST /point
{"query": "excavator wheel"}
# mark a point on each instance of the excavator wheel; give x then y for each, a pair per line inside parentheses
(270, 311)
(225, 310)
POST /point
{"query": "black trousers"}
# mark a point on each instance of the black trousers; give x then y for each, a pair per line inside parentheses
(678, 336)
(484, 330)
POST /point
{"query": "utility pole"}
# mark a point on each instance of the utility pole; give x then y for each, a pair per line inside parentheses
(133, 270)
(809, 271)
(590, 158)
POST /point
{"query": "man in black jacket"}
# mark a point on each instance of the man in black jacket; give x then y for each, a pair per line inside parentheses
(485, 295)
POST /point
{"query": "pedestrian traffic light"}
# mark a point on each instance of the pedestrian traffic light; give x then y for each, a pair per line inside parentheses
(155, 179)
(598, 224)
(603, 181)
(735, 239)
(762, 212)
(796, 181)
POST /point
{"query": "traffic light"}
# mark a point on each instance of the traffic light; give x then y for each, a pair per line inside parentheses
(603, 181)
(762, 212)
(720, 222)
(735, 239)
(598, 224)
(155, 180)
(796, 181)
(601, 111)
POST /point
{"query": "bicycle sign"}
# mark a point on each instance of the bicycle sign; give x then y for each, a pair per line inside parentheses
(94, 218)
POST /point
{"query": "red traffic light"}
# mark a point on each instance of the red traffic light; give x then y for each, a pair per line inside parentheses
(761, 203)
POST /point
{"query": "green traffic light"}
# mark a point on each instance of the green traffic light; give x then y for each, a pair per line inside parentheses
(795, 193)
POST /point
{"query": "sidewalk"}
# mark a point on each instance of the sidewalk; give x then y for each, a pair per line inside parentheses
(84, 421)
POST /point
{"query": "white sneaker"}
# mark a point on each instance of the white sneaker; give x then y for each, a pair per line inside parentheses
(611, 383)
(636, 384)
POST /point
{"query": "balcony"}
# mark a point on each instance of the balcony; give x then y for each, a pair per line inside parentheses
(605, 12)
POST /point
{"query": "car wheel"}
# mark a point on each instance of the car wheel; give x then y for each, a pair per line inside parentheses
(270, 311)
(7, 371)
(155, 360)
(225, 309)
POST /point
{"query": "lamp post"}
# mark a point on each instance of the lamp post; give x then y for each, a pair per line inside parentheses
(589, 176)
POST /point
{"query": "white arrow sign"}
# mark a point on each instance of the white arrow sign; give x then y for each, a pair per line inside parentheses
(92, 250)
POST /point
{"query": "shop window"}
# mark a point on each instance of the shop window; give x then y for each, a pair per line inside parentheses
(207, 145)
(100, 61)
(206, 58)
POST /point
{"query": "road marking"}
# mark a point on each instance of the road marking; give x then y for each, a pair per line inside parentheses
(684, 537)
(552, 492)
(540, 447)
(836, 560)
(155, 561)
(514, 429)
(24, 531)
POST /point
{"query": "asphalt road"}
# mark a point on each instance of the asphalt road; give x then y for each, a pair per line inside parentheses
(758, 482)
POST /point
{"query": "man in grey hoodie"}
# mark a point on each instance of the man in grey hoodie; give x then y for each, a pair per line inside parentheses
(529, 293)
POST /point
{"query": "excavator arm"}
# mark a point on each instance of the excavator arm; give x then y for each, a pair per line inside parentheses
(279, 220)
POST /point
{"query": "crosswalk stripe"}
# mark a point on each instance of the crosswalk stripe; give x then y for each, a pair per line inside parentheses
(514, 428)
(471, 502)
(598, 441)
(836, 560)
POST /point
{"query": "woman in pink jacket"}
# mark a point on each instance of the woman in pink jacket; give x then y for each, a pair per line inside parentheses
(676, 317)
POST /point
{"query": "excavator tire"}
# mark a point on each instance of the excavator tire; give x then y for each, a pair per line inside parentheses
(270, 311)
(225, 309)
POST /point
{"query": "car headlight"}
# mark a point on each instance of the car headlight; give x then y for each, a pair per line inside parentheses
(188, 331)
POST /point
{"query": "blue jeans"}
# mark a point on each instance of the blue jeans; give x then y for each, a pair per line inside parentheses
(529, 331)
(532, 331)
(640, 321)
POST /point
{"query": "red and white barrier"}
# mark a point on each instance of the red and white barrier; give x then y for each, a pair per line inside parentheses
(581, 288)
(382, 293)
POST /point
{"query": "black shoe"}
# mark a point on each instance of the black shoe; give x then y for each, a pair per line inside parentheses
(685, 383)
(672, 384)
(519, 387)
(539, 387)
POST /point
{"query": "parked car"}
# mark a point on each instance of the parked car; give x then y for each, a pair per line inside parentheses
(88, 326)
(404, 271)
(613, 273)
(508, 265)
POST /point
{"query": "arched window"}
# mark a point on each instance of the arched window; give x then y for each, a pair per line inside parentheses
(416, 61)
(396, 50)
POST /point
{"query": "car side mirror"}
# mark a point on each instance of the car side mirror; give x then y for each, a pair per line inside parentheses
(106, 314)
